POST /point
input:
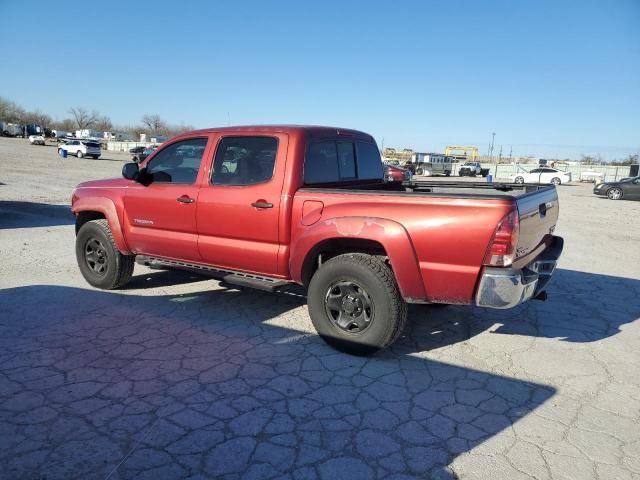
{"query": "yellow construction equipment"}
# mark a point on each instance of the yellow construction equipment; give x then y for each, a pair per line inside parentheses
(474, 152)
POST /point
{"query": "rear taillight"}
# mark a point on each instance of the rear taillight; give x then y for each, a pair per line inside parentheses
(502, 249)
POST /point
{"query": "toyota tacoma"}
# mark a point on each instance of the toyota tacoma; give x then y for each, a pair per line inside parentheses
(270, 206)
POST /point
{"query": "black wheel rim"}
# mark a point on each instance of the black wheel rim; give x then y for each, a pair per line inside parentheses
(96, 256)
(349, 307)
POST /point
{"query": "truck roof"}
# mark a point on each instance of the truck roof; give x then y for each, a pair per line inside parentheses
(313, 130)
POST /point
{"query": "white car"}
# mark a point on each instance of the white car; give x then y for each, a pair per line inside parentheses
(36, 139)
(81, 148)
(542, 175)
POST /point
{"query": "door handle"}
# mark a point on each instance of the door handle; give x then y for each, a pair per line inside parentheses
(185, 199)
(262, 204)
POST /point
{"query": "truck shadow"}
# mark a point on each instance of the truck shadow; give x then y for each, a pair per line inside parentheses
(222, 381)
(16, 214)
(582, 307)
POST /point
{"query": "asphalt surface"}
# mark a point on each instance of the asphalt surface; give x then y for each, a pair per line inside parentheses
(176, 376)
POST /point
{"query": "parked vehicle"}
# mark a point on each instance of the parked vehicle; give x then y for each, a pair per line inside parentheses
(140, 153)
(146, 152)
(37, 139)
(12, 130)
(471, 169)
(60, 134)
(136, 150)
(81, 148)
(429, 164)
(136, 153)
(309, 206)
(396, 174)
(591, 176)
(33, 129)
(627, 189)
(543, 175)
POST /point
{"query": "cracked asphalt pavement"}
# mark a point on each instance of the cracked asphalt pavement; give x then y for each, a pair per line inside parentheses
(177, 376)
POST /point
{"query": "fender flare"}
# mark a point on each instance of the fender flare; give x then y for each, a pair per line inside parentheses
(106, 207)
(390, 234)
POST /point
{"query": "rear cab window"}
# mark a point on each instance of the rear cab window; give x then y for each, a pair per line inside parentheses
(342, 160)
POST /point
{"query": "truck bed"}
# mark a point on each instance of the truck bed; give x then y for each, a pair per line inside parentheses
(450, 223)
(448, 189)
(491, 189)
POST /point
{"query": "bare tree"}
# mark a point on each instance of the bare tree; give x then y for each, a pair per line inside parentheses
(66, 125)
(38, 118)
(153, 123)
(10, 111)
(83, 118)
(103, 124)
(172, 130)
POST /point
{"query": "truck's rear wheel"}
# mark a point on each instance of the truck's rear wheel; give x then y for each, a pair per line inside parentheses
(101, 263)
(355, 304)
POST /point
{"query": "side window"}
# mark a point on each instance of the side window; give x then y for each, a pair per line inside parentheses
(346, 160)
(244, 160)
(369, 161)
(536, 170)
(178, 162)
(321, 163)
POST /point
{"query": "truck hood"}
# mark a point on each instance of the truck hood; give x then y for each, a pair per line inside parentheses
(108, 183)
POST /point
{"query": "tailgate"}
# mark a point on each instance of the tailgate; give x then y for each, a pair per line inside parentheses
(538, 214)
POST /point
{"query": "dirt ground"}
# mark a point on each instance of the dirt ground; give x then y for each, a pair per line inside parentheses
(178, 377)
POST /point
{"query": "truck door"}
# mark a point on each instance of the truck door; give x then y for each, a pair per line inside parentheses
(238, 212)
(160, 218)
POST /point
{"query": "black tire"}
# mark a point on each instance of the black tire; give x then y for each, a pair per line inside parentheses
(388, 310)
(116, 269)
(79, 154)
(519, 180)
(556, 181)
(419, 171)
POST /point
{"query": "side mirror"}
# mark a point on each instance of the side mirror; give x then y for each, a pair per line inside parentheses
(130, 171)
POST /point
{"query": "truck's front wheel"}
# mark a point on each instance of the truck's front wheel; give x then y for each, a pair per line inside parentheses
(355, 305)
(101, 263)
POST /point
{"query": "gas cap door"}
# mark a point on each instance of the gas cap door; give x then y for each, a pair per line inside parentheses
(311, 212)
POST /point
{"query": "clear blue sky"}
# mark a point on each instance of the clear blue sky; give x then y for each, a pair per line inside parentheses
(553, 78)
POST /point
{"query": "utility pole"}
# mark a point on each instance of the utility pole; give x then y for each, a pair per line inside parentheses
(493, 137)
(511, 154)
(500, 157)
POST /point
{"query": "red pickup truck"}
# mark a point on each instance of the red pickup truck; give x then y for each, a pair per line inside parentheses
(268, 206)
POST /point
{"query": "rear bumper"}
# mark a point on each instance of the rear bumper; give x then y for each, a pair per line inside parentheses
(508, 287)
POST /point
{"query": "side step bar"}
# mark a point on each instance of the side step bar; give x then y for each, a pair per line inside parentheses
(230, 277)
